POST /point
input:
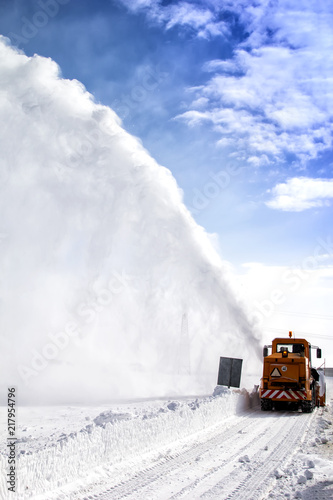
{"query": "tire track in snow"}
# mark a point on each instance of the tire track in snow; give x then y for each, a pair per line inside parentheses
(226, 466)
(151, 482)
(151, 474)
(258, 481)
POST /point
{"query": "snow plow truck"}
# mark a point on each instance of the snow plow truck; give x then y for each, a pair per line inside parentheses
(289, 378)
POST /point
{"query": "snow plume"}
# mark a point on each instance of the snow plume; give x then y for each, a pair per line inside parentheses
(108, 287)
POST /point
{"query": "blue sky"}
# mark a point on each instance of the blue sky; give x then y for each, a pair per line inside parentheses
(234, 97)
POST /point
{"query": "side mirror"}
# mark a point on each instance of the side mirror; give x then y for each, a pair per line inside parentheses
(318, 353)
(265, 351)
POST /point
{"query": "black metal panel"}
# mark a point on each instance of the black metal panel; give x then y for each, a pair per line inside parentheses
(230, 371)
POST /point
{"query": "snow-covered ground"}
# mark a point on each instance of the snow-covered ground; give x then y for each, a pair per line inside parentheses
(218, 446)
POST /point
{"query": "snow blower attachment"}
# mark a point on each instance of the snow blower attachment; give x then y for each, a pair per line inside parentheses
(289, 378)
(230, 370)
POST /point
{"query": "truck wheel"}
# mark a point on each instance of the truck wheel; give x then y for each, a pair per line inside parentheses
(307, 407)
(266, 404)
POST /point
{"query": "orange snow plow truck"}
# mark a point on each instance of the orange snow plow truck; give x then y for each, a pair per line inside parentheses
(289, 378)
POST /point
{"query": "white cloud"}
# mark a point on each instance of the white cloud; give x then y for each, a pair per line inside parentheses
(258, 161)
(137, 5)
(200, 16)
(200, 103)
(277, 88)
(279, 82)
(184, 13)
(301, 193)
(214, 29)
(226, 66)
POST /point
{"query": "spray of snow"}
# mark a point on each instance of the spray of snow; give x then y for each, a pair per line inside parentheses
(108, 286)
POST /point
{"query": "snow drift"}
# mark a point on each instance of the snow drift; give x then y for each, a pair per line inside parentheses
(108, 286)
(77, 453)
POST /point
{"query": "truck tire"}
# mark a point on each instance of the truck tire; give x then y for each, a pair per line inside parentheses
(266, 404)
(308, 406)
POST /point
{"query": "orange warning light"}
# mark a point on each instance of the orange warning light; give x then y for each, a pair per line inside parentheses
(290, 334)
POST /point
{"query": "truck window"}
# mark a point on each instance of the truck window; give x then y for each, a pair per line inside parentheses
(282, 347)
(298, 348)
(295, 348)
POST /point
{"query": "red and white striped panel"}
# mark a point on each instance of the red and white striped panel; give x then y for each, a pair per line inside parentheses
(287, 395)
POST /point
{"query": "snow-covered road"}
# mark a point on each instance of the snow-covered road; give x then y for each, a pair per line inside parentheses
(214, 447)
(237, 462)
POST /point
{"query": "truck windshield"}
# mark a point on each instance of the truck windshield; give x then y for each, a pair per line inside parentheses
(294, 348)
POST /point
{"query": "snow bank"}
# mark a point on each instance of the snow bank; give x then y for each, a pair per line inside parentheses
(114, 436)
(309, 473)
(108, 287)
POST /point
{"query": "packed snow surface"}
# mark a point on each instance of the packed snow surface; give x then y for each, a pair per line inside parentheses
(109, 289)
(213, 447)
